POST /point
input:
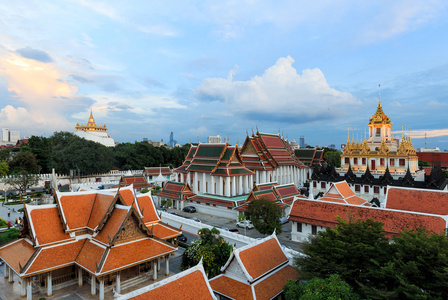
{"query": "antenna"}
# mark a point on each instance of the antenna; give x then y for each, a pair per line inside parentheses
(425, 139)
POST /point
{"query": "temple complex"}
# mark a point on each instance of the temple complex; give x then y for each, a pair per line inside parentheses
(95, 237)
(93, 132)
(377, 161)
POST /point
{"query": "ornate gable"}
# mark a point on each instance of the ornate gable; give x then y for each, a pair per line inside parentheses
(130, 230)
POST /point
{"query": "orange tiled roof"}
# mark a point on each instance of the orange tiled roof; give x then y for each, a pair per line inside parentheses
(133, 253)
(425, 201)
(100, 207)
(112, 225)
(262, 258)
(90, 256)
(16, 253)
(341, 192)
(231, 288)
(55, 257)
(324, 214)
(192, 286)
(162, 231)
(271, 286)
(47, 226)
(147, 208)
(156, 171)
(74, 208)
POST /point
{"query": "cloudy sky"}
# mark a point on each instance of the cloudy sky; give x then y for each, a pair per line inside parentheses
(301, 68)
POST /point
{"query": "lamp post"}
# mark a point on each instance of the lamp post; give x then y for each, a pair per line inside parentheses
(4, 190)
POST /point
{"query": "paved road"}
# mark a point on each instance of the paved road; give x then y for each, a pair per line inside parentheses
(284, 237)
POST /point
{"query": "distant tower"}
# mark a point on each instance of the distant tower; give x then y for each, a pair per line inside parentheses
(302, 142)
(172, 142)
(214, 139)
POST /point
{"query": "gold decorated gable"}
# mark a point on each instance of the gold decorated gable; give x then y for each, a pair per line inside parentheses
(130, 231)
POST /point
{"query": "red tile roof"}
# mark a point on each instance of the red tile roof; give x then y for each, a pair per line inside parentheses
(112, 225)
(90, 256)
(324, 214)
(129, 254)
(262, 258)
(147, 208)
(16, 253)
(156, 171)
(192, 286)
(341, 192)
(231, 288)
(100, 207)
(163, 231)
(425, 201)
(46, 224)
(273, 285)
(55, 257)
(76, 208)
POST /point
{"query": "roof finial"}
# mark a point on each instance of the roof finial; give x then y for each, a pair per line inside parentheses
(365, 132)
(379, 95)
(348, 134)
(353, 137)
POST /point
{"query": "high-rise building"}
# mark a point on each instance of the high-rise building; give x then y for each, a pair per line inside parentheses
(214, 139)
(9, 136)
(5, 135)
(302, 142)
(172, 142)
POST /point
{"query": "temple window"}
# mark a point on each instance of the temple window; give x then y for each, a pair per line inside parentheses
(364, 161)
(392, 162)
(313, 229)
(299, 227)
(357, 188)
(382, 161)
(347, 160)
(322, 185)
(314, 184)
(378, 132)
(402, 162)
(366, 189)
(355, 160)
(376, 189)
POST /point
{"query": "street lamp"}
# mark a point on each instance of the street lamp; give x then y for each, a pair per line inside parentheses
(5, 195)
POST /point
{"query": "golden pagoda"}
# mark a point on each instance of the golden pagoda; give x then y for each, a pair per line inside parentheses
(380, 151)
(93, 132)
(91, 125)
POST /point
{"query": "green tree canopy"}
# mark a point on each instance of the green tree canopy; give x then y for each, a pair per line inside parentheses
(332, 157)
(212, 248)
(24, 162)
(265, 216)
(331, 288)
(22, 181)
(4, 168)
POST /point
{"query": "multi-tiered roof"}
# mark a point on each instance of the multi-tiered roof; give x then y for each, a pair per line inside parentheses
(263, 151)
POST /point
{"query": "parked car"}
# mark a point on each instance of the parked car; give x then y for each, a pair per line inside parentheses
(189, 209)
(182, 238)
(283, 220)
(172, 212)
(161, 209)
(245, 224)
(195, 219)
(234, 230)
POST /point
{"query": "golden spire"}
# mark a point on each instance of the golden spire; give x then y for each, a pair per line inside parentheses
(348, 134)
(353, 137)
(365, 132)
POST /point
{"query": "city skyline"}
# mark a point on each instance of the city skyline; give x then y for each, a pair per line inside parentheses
(201, 69)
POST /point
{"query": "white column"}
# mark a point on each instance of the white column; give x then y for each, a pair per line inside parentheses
(101, 296)
(233, 186)
(265, 173)
(212, 187)
(118, 283)
(181, 177)
(79, 276)
(154, 268)
(29, 290)
(23, 288)
(189, 178)
(10, 276)
(167, 265)
(204, 184)
(227, 187)
(240, 185)
(6, 271)
(220, 187)
(251, 182)
(158, 264)
(246, 184)
(195, 183)
(93, 286)
(49, 284)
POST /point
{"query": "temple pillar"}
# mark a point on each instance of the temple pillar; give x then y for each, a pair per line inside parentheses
(93, 286)
(240, 185)
(6, 271)
(49, 284)
(233, 186)
(246, 184)
(181, 177)
(23, 288)
(227, 187)
(79, 276)
(167, 265)
(189, 178)
(212, 182)
(101, 296)
(221, 187)
(118, 283)
(158, 264)
(204, 184)
(195, 183)
(10, 276)
(29, 289)
(154, 268)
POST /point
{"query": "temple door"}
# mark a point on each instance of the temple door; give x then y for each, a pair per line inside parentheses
(373, 164)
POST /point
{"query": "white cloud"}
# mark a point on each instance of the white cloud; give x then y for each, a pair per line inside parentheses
(280, 94)
(420, 133)
(199, 131)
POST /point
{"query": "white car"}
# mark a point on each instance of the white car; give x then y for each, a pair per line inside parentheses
(245, 224)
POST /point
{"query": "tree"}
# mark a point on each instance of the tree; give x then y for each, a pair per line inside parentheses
(212, 248)
(332, 288)
(265, 216)
(354, 249)
(332, 157)
(4, 168)
(24, 162)
(22, 181)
